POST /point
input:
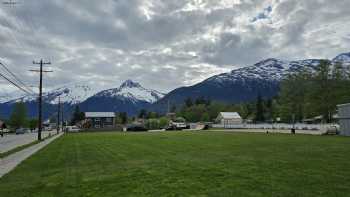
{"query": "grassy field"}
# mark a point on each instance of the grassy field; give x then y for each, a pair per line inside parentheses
(185, 164)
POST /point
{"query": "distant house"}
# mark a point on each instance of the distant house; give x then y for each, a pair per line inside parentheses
(344, 119)
(101, 120)
(229, 118)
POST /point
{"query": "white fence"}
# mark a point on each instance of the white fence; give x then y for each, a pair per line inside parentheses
(280, 126)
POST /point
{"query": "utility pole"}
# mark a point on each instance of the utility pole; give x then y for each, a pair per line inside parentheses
(62, 117)
(58, 114)
(40, 99)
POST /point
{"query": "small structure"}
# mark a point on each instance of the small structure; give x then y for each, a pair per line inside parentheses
(344, 119)
(229, 118)
(100, 120)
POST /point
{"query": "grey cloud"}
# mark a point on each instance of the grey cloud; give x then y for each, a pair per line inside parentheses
(178, 43)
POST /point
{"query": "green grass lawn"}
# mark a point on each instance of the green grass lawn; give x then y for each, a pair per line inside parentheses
(184, 164)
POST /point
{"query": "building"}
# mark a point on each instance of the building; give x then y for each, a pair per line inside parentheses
(100, 120)
(229, 118)
(344, 119)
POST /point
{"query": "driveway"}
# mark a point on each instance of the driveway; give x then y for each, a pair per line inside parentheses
(11, 141)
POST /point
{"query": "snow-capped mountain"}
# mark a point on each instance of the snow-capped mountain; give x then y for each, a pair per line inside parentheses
(269, 69)
(130, 97)
(244, 84)
(71, 94)
(132, 91)
(344, 58)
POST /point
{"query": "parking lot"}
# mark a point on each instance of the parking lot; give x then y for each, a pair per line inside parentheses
(11, 141)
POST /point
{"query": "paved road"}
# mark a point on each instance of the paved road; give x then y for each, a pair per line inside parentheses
(11, 141)
(10, 162)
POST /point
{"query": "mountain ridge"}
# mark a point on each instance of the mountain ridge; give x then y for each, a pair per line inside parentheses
(245, 84)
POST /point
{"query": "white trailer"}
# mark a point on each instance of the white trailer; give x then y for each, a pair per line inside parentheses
(344, 119)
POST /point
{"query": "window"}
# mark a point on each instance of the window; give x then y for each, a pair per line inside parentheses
(97, 119)
(109, 120)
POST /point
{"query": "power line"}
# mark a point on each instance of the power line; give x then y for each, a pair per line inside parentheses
(13, 83)
(16, 78)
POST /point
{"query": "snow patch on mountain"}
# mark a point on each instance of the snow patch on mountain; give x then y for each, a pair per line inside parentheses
(70, 94)
(273, 70)
(133, 91)
(344, 57)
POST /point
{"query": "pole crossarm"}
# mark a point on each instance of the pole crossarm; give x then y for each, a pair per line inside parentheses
(44, 71)
(10, 2)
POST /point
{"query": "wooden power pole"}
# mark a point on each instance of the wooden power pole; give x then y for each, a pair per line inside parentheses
(40, 99)
(58, 114)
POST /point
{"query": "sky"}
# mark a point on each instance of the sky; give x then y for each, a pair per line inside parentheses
(163, 44)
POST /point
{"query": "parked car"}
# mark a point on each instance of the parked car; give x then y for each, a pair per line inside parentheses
(72, 129)
(176, 126)
(22, 131)
(136, 128)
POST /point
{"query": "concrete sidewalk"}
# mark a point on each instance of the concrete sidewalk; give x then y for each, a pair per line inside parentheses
(12, 141)
(10, 162)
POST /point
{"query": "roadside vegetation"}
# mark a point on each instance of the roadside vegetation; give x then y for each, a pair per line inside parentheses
(19, 118)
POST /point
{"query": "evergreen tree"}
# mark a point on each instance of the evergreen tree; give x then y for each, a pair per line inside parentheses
(77, 116)
(123, 116)
(259, 116)
(33, 124)
(142, 114)
(188, 102)
(18, 117)
(321, 94)
(205, 117)
(293, 96)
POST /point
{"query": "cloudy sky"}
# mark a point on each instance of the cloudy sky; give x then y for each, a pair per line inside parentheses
(164, 44)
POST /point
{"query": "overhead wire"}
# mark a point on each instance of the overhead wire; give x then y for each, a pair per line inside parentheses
(15, 84)
(13, 26)
(16, 78)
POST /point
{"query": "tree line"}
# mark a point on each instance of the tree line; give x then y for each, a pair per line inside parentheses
(307, 93)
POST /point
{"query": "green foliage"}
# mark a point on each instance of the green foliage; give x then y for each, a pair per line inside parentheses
(33, 124)
(259, 116)
(205, 117)
(152, 115)
(307, 94)
(142, 113)
(152, 124)
(77, 116)
(122, 118)
(18, 117)
(163, 122)
(206, 111)
(293, 96)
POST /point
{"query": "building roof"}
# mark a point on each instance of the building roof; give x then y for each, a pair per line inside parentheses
(99, 114)
(230, 115)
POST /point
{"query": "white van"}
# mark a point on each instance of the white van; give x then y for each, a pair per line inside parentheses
(72, 129)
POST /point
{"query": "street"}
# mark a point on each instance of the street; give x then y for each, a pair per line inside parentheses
(11, 141)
